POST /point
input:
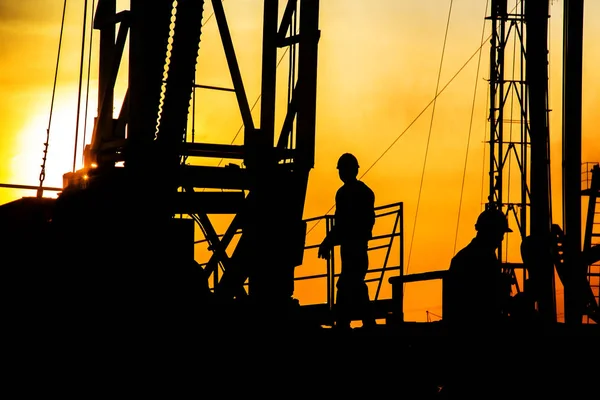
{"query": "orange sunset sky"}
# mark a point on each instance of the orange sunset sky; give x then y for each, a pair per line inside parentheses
(378, 71)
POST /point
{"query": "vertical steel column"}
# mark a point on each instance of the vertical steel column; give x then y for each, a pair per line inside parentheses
(507, 85)
(259, 227)
(497, 83)
(306, 106)
(536, 16)
(402, 255)
(571, 154)
(150, 26)
(276, 186)
(527, 87)
(330, 268)
(106, 13)
(307, 78)
(269, 79)
(493, 83)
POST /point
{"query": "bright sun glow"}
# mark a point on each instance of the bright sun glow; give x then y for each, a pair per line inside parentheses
(26, 165)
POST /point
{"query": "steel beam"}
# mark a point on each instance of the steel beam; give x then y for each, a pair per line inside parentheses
(571, 154)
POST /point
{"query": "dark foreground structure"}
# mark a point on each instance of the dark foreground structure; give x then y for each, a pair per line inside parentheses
(108, 268)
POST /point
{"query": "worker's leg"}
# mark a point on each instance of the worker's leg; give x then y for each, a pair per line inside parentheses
(355, 269)
(343, 303)
(366, 306)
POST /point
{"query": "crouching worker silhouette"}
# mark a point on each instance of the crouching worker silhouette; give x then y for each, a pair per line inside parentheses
(476, 290)
(353, 226)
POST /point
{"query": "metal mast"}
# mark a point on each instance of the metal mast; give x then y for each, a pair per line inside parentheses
(142, 169)
(571, 161)
(518, 98)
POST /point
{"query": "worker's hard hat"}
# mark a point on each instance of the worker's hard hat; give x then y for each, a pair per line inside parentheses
(347, 160)
(492, 220)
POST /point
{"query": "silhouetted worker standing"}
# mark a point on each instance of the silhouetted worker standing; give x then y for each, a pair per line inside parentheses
(353, 226)
(476, 291)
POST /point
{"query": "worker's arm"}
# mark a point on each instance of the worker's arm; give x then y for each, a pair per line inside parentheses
(327, 244)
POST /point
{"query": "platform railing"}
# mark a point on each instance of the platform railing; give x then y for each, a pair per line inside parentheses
(383, 242)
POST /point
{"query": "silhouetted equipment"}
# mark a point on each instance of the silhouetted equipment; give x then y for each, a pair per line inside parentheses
(527, 25)
(148, 148)
(25, 221)
(571, 152)
(116, 249)
(591, 240)
(389, 243)
(573, 281)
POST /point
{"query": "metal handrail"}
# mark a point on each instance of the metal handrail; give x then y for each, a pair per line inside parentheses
(586, 174)
(397, 232)
(330, 275)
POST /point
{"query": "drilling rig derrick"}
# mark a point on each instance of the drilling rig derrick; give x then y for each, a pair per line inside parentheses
(143, 189)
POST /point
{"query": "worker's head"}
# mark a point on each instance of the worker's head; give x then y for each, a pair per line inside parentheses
(347, 167)
(491, 225)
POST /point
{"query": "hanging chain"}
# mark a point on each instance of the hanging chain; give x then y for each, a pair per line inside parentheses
(40, 190)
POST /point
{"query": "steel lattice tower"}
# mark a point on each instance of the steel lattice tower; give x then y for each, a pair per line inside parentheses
(519, 97)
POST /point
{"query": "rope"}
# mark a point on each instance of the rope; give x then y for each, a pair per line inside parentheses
(483, 42)
(428, 139)
(40, 191)
(85, 7)
(462, 187)
(413, 121)
(210, 16)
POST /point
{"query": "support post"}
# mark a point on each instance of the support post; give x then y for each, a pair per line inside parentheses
(571, 152)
